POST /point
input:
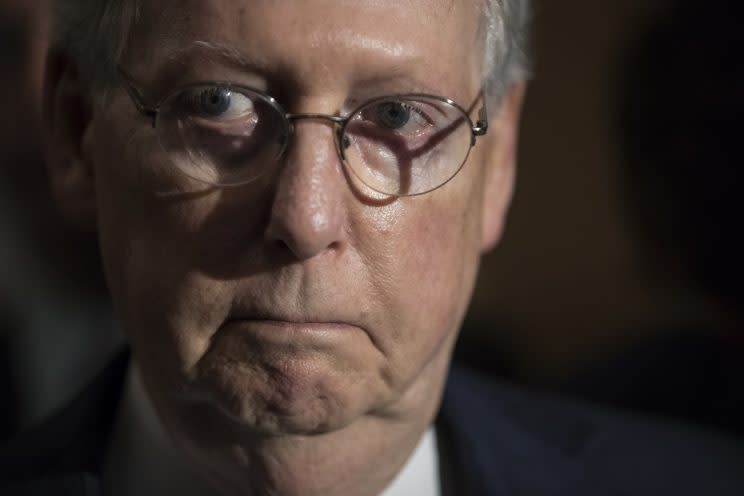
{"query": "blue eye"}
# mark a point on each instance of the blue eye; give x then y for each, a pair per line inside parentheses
(215, 101)
(393, 115)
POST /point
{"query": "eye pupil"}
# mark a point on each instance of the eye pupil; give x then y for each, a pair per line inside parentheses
(393, 115)
(216, 101)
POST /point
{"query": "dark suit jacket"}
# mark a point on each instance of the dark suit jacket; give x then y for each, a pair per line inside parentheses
(494, 440)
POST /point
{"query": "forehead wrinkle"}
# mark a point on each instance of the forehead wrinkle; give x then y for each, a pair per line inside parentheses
(223, 50)
(334, 46)
(398, 70)
(228, 51)
(370, 55)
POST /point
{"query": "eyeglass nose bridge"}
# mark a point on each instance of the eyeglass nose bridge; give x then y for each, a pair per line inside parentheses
(333, 118)
(338, 121)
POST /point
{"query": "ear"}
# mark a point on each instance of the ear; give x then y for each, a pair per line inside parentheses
(67, 113)
(501, 158)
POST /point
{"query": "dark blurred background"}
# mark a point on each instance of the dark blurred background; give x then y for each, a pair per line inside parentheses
(619, 276)
(56, 325)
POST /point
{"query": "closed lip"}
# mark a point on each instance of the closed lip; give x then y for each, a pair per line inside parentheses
(305, 324)
(290, 333)
(289, 324)
(279, 317)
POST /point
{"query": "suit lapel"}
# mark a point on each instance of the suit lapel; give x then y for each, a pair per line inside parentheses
(497, 443)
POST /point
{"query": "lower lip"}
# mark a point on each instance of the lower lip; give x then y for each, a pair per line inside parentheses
(278, 329)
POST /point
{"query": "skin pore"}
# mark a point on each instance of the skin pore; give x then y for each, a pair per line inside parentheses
(293, 333)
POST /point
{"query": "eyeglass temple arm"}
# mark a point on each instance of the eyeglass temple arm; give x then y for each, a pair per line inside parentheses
(481, 127)
(137, 98)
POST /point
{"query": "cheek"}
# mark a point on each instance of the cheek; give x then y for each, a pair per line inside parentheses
(428, 277)
(441, 255)
(150, 237)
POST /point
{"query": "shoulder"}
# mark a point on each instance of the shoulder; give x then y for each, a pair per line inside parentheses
(570, 444)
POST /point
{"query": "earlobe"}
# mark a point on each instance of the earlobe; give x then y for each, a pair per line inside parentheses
(500, 166)
(67, 116)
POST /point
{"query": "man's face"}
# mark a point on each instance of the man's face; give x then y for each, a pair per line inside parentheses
(294, 304)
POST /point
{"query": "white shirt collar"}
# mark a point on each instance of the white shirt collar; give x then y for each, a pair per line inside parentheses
(140, 460)
(420, 475)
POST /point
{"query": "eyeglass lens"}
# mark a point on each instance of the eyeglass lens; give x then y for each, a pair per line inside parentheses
(399, 146)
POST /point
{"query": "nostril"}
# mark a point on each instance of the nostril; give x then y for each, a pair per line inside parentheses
(302, 243)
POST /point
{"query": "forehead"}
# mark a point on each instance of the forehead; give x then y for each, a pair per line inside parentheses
(432, 39)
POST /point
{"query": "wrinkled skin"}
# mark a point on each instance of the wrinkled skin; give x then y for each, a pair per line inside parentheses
(296, 331)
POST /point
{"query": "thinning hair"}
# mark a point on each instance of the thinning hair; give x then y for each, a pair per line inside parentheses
(95, 34)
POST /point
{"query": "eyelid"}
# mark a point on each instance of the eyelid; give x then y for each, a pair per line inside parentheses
(180, 85)
(189, 100)
(415, 110)
(188, 89)
(411, 103)
(423, 115)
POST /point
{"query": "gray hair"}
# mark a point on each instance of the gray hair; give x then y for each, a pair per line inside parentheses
(95, 34)
(506, 55)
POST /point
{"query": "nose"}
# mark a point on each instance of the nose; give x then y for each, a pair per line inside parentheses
(308, 212)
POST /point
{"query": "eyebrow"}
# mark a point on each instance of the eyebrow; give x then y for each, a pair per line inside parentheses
(225, 52)
(398, 81)
(230, 53)
(175, 60)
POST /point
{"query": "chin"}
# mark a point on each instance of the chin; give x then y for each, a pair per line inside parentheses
(290, 379)
(290, 396)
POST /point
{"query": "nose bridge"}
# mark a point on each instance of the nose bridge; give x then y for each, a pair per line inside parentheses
(308, 211)
(335, 122)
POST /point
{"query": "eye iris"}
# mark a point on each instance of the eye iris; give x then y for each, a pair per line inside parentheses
(215, 102)
(393, 115)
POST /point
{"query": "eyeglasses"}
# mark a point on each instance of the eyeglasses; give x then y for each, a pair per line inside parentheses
(224, 134)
